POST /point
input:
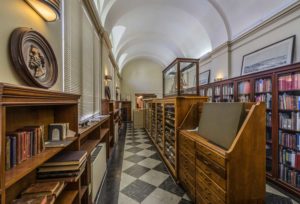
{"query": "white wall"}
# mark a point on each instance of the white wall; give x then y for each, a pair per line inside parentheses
(226, 62)
(17, 13)
(141, 76)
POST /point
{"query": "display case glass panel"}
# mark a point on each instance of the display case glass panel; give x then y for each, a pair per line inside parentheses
(170, 81)
(188, 79)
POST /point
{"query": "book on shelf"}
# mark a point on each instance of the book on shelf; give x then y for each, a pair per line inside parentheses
(35, 200)
(289, 82)
(290, 121)
(217, 91)
(62, 174)
(289, 102)
(290, 176)
(267, 98)
(43, 189)
(244, 87)
(289, 140)
(269, 119)
(23, 144)
(228, 90)
(67, 158)
(263, 85)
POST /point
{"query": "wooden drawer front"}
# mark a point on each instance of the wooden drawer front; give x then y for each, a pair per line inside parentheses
(187, 172)
(212, 170)
(208, 184)
(211, 154)
(187, 146)
(206, 196)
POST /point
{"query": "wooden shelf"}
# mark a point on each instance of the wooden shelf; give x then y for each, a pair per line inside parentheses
(85, 131)
(67, 197)
(103, 132)
(89, 145)
(18, 172)
(83, 190)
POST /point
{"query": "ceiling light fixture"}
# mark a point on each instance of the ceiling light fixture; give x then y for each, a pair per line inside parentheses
(48, 9)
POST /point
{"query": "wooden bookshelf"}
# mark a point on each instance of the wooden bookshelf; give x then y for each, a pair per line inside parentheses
(68, 197)
(272, 109)
(23, 106)
(98, 132)
(158, 127)
(13, 175)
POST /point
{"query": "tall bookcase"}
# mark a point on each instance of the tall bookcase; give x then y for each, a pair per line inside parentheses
(279, 88)
(164, 118)
(23, 106)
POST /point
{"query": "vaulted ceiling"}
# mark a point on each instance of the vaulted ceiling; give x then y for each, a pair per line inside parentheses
(162, 30)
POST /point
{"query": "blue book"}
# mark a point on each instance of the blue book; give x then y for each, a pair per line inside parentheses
(298, 102)
(298, 140)
(13, 151)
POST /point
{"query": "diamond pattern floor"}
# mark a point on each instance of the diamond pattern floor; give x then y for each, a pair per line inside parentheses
(145, 178)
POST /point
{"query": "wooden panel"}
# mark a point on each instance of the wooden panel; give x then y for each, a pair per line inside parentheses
(67, 197)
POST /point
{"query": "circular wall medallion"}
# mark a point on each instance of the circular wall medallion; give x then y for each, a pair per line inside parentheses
(33, 58)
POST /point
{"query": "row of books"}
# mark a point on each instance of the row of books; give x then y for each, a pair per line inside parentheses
(202, 92)
(217, 91)
(289, 82)
(209, 92)
(228, 98)
(23, 144)
(263, 85)
(64, 165)
(289, 140)
(269, 119)
(228, 90)
(290, 176)
(289, 121)
(267, 98)
(244, 98)
(289, 102)
(289, 158)
(244, 87)
(41, 193)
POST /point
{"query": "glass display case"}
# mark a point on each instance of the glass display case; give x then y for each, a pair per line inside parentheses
(181, 78)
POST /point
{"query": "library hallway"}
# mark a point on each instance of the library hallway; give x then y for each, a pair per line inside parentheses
(136, 174)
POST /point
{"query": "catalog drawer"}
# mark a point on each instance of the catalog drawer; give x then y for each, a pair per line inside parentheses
(212, 170)
(211, 154)
(207, 184)
(187, 146)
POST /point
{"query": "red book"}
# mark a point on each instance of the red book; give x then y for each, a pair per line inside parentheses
(298, 161)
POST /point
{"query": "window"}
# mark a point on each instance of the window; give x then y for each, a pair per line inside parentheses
(81, 58)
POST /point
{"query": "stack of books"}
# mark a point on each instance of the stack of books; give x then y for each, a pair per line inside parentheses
(41, 193)
(263, 85)
(68, 165)
(290, 121)
(244, 87)
(23, 144)
(289, 102)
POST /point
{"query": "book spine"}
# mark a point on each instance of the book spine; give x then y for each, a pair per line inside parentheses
(8, 153)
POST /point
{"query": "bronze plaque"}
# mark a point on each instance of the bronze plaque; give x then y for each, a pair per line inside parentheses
(33, 58)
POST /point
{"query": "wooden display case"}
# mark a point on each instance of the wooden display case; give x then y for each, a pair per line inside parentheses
(164, 118)
(267, 86)
(23, 106)
(212, 174)
(181, 77)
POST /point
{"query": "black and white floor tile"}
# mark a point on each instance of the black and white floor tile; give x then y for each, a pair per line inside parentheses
(145, 178)
(136, 174)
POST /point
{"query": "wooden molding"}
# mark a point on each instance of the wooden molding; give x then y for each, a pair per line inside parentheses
(15, 95)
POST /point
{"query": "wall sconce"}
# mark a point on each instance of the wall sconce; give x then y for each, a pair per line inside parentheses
(219, 78)
(47, 9)
(108, 77)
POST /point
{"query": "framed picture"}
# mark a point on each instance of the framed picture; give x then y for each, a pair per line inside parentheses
(204, 77)
(272, 56)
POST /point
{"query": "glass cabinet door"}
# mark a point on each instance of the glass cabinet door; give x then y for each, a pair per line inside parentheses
(263, 92)
(244, 90)
(228, 92)
(289, 128)
(170, 81)
(188, 78)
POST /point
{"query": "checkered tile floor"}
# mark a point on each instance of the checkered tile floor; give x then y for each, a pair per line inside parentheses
(145, 179)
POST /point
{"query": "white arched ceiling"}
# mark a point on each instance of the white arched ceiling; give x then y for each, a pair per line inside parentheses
(162, 30)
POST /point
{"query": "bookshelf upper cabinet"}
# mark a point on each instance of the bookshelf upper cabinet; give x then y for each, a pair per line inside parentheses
(181, 78)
